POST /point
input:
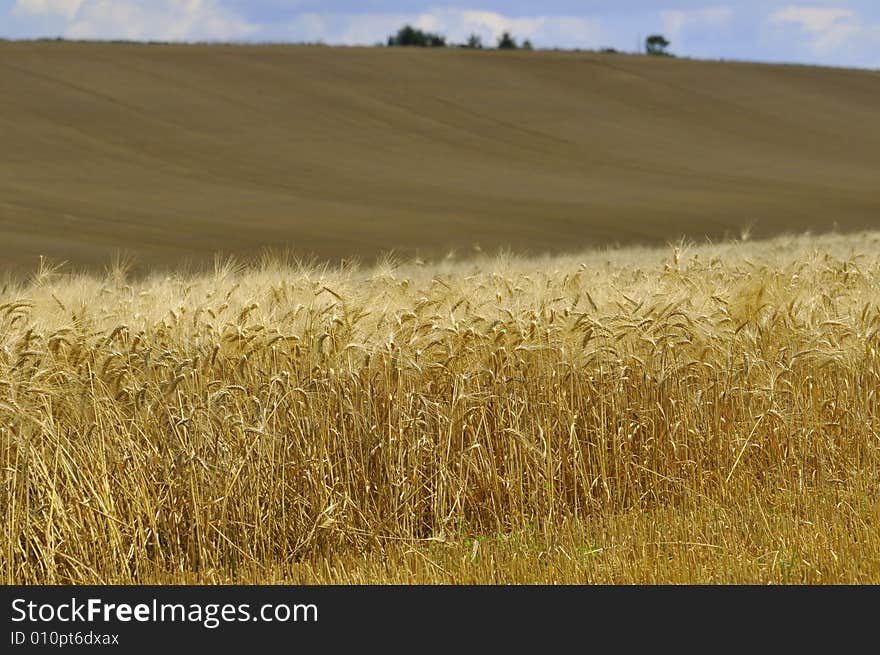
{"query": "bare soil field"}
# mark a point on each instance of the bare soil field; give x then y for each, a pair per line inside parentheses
(171, 153)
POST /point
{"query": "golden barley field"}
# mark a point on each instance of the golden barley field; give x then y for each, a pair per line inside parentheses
(697, 413)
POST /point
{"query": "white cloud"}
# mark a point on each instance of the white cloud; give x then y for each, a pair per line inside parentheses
(65, 8)
(361, 30)
(160, 20)
(812, 19)
(456, 25)
(493, 25)
(188, 20)
(570, 31)
(829, 30)
(676, 21)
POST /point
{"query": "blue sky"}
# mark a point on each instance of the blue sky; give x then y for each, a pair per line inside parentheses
(833, 32)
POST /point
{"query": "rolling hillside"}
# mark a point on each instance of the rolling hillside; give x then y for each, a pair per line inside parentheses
(171, 153)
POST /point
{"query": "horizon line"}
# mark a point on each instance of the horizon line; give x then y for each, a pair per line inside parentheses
(601, 50)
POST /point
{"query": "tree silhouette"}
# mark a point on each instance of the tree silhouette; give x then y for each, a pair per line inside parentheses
(410, 36)
(474, 41)
(506, 42)
(656, 44)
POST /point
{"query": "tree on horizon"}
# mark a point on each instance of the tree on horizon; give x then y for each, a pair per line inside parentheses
(507, 42)
(411, 36)
(656, 44)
